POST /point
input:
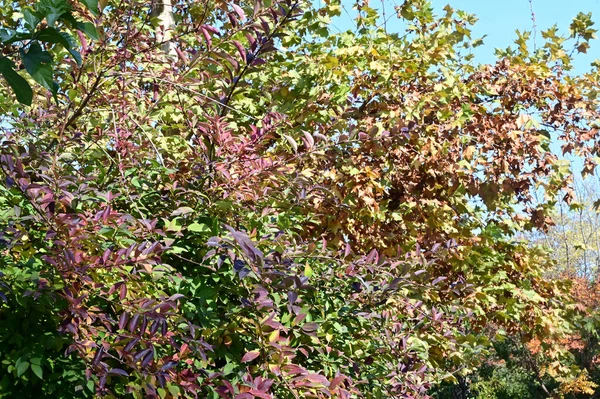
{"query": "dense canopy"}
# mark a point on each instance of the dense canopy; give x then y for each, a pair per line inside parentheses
(234, 199)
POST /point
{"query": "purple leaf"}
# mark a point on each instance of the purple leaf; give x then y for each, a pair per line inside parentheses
(232, 19)
(98, 356)
(131, 344)
(163, 327)
(118, 372)
(252, 41)
(106, 255)
(123, 320)
(144, 325)
(244, 272)
(168, 366)
(176, 297)
(258, 61)
(148, 358)
(246, 245)
(122, 291)
(292, 297)
(154, 327)
(162, 381)
(437, 280)
(238, 265)
(141, 354)
(133, 322)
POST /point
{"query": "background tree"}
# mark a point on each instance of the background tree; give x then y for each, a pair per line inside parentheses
(575, 240)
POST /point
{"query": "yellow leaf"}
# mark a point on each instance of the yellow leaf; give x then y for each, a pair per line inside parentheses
(307, 173)
(308, 271)
(274, 336)
(522, 120)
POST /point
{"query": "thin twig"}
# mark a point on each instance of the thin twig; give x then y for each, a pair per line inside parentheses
(534, 25)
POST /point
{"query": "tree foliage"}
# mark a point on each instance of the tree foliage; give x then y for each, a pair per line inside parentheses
(280, 210)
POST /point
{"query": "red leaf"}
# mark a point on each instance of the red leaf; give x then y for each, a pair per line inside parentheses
(258, 394)
(211, 29)
(206, 37)
(310, 327)
(292, 369)
(250, 356)
(373, 255)
(240, 49)
(238, 10)
(122, 291)
(348, 250)
(336, 381)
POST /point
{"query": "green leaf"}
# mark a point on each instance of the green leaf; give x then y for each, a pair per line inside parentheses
(22, 368)
(308, 271)
(199, 228)
(17, 83)
(76, 56)
(39, 65)
(36, 361)
(32, 18)
(70, 19)
(52, 35)
(37, 370)
(532, 295)
(174, 390)
(89, 29)
(52, 9)
(6, 35)
(92, 5)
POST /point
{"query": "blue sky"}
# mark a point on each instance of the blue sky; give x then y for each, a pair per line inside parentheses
(499, 20)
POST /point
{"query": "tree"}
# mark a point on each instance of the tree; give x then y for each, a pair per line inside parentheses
(574, 239)
(23, 34)
(283, 211)
(573, 242)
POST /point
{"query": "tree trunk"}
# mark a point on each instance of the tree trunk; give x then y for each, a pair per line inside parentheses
(163, 10)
